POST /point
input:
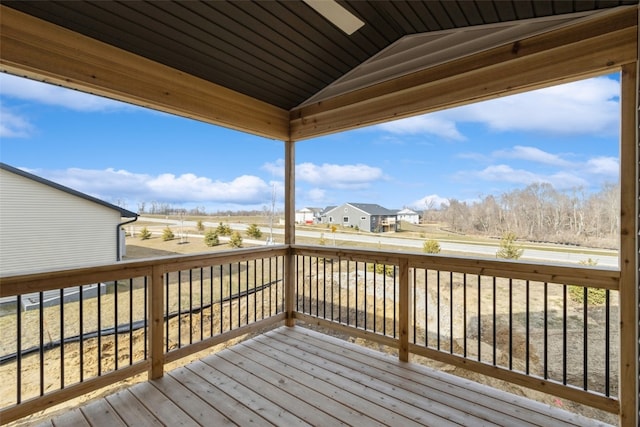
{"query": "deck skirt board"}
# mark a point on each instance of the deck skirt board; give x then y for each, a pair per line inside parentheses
(293, 376)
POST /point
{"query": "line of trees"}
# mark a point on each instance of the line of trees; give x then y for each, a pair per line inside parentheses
(163, 208)
(539, 212)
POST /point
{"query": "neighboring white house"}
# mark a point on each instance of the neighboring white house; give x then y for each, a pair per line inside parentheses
(308, 215)
(45, 226)
(407, 215)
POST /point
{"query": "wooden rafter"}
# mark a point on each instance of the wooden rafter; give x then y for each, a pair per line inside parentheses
(590, 48)
(43, 51)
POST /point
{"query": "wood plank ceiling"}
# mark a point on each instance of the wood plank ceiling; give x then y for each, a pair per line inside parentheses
(285, 54)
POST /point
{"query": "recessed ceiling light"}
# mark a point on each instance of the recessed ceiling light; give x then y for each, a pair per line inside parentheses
(337, 15)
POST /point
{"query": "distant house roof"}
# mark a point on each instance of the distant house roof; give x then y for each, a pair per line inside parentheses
(372, 209)
(407, 211)
(123, 212)
(327, 209)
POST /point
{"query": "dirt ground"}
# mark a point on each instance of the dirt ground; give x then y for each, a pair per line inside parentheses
(452, 304)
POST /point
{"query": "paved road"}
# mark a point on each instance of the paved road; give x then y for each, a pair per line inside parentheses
(566, 255)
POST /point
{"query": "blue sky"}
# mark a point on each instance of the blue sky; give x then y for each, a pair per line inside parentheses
(566, 135)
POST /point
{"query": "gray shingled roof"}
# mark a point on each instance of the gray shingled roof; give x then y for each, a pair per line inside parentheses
(372, 209)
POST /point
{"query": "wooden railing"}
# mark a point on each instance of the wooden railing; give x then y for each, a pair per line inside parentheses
(145, 314)
(549, 328)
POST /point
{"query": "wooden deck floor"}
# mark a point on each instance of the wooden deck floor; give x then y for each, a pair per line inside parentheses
(294, 376)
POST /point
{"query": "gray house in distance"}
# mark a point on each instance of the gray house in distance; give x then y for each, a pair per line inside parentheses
(364, 216)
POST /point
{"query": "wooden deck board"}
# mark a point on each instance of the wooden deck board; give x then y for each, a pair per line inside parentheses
(295, 376)
(72, 418)
(101, 413)
(509, 408)
(382, 403)
(417, 384)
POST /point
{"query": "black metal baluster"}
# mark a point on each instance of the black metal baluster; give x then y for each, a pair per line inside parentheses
(528, 330)
(61, 338)
(495, 347)
(585, 340)
(356, 296)
(115, 323)
(510, 324)
(546, 330)
(166, 311)
(191, 306)
(201, 303)
(41, 340)
(395, 293)
(451, 312)
(19, 349)
(339, 290)
(179, 309)
(564, 334)
(384, 297)
(222, 299)
(130, 321)
(99, 333)
(348, 302)
(438, 311)
(146, 308)
(375, 298)
(464, 315)
(607, 332)
(317, 287)
(479, 318)
(426, 307)
(81, 321)
(415, 308)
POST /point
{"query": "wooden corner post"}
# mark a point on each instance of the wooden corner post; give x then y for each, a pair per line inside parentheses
(156, 324)
(629, 165)
(289, 229)
(403, 310)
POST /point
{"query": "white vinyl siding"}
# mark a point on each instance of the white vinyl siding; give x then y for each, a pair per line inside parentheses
(43, 229)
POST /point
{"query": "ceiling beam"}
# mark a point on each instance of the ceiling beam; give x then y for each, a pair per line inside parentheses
(590, 48)
(43, 51)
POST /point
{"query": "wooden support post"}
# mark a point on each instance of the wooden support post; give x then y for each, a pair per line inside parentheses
(289, 229)
(156, 323)
(628, 389)
(403, 311)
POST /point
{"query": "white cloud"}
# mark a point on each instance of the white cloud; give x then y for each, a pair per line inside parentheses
(338, 176)
(329, 175)
(432, 124)
(584, 107)
(608, 166)
(506, 174)
(430, 201)
(316, 195)
(110, 184)
(13, 125)
(31, 90)
(533, 154)
(275, 168)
